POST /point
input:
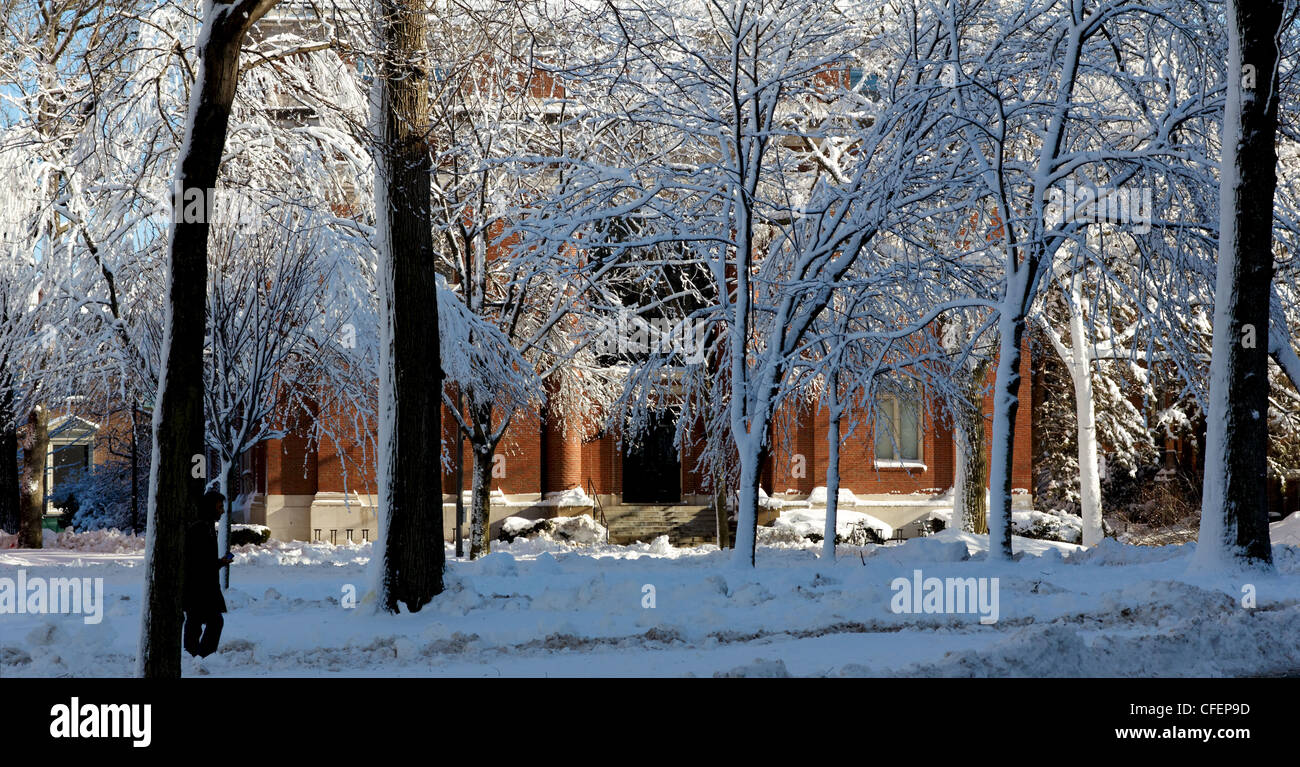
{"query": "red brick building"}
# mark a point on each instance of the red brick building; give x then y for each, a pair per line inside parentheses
(309, 491)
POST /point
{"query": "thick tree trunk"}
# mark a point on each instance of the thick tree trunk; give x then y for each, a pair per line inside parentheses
(1080, 367)
(412, 556)
(1089, 469)
(970, 485)
(1006, 403)
(975, 494)
(176, 483)
(35, 455)
(1234, 512)
(481, 480)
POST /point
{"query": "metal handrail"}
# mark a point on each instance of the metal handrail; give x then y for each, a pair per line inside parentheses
(591, 491)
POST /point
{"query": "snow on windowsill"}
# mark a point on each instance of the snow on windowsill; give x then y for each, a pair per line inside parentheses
(908, 465)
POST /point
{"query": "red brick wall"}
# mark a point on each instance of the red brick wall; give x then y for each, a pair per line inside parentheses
(858, 470)
(358, 462)
(522, 448)
(520, 452)
(599, 461)
(289, 468)
(804, 433)
(599, 458)
(562, 455)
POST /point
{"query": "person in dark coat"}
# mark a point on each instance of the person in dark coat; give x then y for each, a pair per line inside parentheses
(202, 600)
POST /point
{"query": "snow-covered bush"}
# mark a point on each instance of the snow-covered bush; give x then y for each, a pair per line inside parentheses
(851, 527)
(860, 534)
(784, 536)
(99, 498)
(249, 535)
(1065, 528)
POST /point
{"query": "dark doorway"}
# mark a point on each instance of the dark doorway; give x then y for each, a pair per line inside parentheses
(652, 469)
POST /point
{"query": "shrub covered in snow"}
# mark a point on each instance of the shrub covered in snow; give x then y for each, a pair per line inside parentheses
(100, 497)
(851, 527)
(249, 535)
(1044, 526)
(1065, 528)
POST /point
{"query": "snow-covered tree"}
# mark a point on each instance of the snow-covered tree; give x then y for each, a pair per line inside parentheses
(1234, 513)
(746, 155)
(176, 483)
(58, 58)
(1029, 128)
(494, 110)
(277, 338)
(20, 341)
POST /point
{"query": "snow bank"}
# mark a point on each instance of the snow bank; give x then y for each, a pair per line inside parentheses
(580, 530)
(1286, 531)
(275, 553)
(761, 667)
(111, 541)
(1040, 525)
(572, 497)
(545, 606)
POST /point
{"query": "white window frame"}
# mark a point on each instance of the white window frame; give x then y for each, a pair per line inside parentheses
(83, 433)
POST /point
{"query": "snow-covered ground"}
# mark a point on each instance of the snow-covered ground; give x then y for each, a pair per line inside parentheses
(540, 607)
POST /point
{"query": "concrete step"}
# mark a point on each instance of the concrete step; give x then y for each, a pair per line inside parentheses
(685, 525)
